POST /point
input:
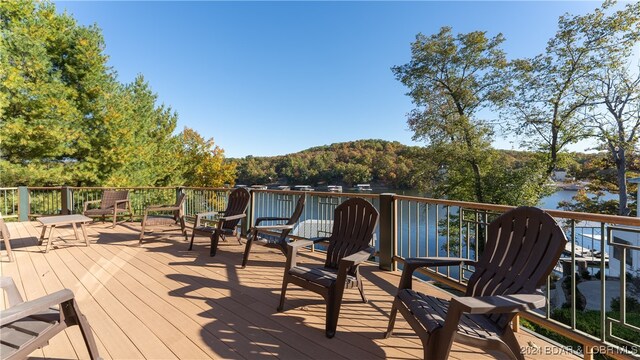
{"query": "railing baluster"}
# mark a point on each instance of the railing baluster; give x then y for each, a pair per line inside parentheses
(573, 275)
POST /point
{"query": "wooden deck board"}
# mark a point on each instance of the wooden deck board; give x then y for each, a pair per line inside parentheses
(163, 301)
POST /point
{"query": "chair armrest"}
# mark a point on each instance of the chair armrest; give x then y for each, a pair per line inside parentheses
(162, 208)
(208, 213)
(294, 246)
(499, 304)
(292, 250)
(86, 204)
(9, 286)
(121, 201)
(201, 215)
(261, 219)
(437, 261)
(356, 258)
(34, 306)
(412, 264)
(273, 227)
(232, 217)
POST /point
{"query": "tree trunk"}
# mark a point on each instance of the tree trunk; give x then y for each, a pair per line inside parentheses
(620, 160)
(478, 181)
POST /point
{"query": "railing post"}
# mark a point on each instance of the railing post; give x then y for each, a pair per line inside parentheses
(23, 203)
(66, 200)
(387, 235)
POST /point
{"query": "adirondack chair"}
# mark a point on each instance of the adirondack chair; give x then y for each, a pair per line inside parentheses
(113, 202)
(279, 232)
(522, 249)
(354, 223)
(4, 233)
(173, 214)
(28, 325)
(226, 222)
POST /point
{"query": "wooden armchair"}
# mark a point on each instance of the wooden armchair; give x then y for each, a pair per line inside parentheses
(28, 325)
(522, 249)
(279, 232)
(4, 233)
(113, 202)
(173, 214)
(226, 221)
(354, 223)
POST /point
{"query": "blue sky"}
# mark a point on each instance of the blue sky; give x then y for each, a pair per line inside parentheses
(271, 78)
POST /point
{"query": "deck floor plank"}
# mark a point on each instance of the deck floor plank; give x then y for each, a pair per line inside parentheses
(106, 330)
(163, 301)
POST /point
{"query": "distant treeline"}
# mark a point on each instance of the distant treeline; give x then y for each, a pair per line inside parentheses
(385, 163)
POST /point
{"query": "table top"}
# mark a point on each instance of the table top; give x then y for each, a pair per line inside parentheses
(63, 219)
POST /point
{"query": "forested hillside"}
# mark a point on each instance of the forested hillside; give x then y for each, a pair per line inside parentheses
(384, 163)
(362, 161)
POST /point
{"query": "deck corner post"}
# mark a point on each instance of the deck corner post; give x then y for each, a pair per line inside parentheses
(23, 203)
(387, 235)
(66, 200)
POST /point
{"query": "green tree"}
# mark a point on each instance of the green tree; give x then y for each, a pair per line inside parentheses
(450, 80)
(67, 120)
(255, 170)
(203, 161)
(54, 84)
(553, 88)
(617, 122)
(136, 146)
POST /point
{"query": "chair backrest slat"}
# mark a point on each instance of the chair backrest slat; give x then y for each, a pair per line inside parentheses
(521, 251)
(237, 204)
(180, 203)
(298, 211)
(109, 198)
(354, 222)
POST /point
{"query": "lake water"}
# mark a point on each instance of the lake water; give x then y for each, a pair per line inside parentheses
(417, 235)
(551, 201)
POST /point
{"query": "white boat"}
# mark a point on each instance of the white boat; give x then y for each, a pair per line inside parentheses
(334, 188)
(283, 187)
(303, 188)
(363, 187)
(259, 187)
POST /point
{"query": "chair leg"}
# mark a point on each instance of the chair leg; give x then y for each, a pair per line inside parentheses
(7, 246)
(87, 335)
(247, 247)
(332, 313)
(510, 340)
(193, 234)
(142, 231)
(115, 218)
(215, 238)
(361, 289)
(392, 320)
(283, 292)
(183, 226)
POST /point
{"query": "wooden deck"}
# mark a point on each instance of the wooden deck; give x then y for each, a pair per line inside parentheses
(161, 301)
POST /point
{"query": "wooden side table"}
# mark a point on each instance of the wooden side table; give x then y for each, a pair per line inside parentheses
(60, 220)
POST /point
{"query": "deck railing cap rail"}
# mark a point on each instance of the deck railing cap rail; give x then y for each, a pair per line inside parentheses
(316, 193)
(578, 216)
